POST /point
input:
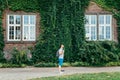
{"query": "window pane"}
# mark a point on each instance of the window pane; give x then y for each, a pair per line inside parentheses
(17, 32)
(101, 19)
(87, 19)
(107, 19)
(32, 19)
(90, 27)
(18, 19)
(11, 32)
(29, 27)
(101, 32)
(93, 33)
(32, 32)
(93, 19)
(26, 32)
(87, 35)
(107, 32)
(87, 29)
(26, 19)
(11, 19)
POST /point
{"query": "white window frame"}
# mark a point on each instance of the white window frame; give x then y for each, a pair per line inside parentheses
(88, 33)
(105, 26)
(29, 28)
(90, 26)
(14, 25)
(21, 28)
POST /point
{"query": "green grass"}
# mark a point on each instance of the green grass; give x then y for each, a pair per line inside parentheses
(95, 76)
(9, 65)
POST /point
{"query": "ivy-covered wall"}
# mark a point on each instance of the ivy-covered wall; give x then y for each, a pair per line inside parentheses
(112, 6)
(62, 22)
(2, 3)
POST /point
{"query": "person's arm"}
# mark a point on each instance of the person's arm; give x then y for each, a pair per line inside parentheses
(61, 52)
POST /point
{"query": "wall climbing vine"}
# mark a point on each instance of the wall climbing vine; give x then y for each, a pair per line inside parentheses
(62, 22)
(2, 3)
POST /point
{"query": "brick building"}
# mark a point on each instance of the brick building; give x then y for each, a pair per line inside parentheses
(21, 29)
(100, 24)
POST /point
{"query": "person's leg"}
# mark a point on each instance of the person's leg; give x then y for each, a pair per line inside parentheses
(60, 68)
(60, 64)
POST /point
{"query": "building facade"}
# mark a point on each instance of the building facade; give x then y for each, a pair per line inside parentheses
(21, 29)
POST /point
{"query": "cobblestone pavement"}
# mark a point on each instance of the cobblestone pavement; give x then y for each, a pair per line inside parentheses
(29, 73)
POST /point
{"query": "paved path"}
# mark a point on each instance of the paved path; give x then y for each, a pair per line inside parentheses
(28, 73)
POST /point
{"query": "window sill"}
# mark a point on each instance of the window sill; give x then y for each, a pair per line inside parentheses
(20, 42)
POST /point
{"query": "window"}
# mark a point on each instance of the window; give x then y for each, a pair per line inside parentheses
(105, 27)
(28, 27)
(91, 27)
(21, 27)
(98, 27)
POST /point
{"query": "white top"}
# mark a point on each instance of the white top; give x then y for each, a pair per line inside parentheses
(61, 56)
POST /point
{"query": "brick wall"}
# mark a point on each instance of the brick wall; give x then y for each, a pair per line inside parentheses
(9, 45)
(93, 8)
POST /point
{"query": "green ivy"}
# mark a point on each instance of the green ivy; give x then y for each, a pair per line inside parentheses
(24, 5)
(99, 52)
(62, 22)
(2, 3)
(112, 6)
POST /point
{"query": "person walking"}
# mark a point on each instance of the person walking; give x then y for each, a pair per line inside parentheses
(61, 57)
